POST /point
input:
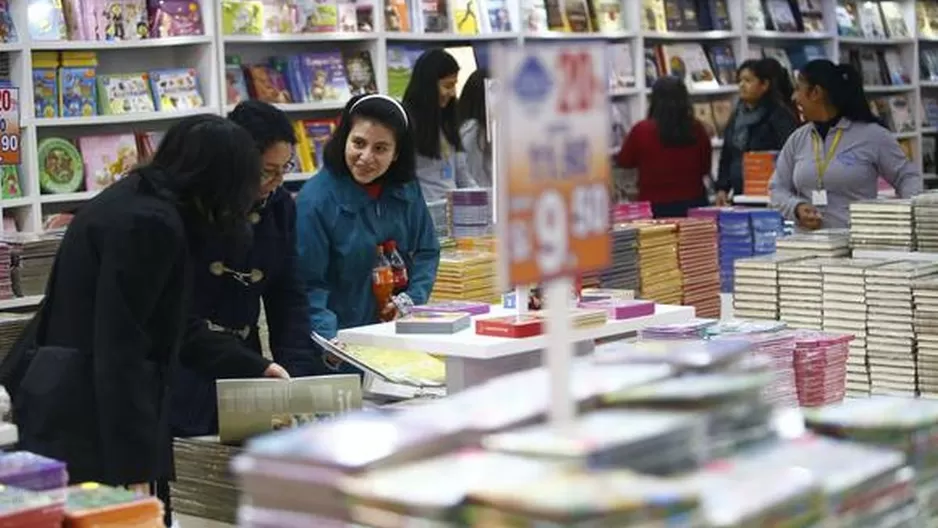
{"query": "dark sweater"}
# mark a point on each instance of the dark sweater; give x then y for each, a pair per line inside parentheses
(769, 133)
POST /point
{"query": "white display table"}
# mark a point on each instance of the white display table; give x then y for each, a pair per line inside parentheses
(472, 358)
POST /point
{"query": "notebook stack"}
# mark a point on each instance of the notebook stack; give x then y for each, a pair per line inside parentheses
(820, 364)
(845, 311)
(631, 211)
(735, 243)
(800, 293)
(623, 274)
(470, 212)
(204, 486)
(881, 225)
(772, 349)
(693, 329)
(925, 297)
(890, 332)
(6, 272)
(700, 270)
(11, 327)
(925, 214)
(755, 287)
(659, 272)
(466, 276)
(831, 243)
(33, 254)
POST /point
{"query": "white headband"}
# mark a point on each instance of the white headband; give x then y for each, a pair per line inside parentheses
(386, 98)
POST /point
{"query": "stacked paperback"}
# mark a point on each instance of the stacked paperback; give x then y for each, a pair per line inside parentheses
(881, 225)
(925, 297)
(659, 271)
(820, 364)
(623, 274)
(697, 257)
(845, 310)
(204, 486)
(470, 213)
(822, 243)
(890, 335)
(800, 292)
(6, 272)
(755, 287)
(12, 326)
(925, 213)
(466, 276)
(33, 255)
(743, 233)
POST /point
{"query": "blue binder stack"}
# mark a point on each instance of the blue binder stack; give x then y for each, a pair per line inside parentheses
(745, 233)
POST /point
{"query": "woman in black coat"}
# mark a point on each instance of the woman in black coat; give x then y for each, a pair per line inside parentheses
(90, 384)
(232, 279)
(762, 121)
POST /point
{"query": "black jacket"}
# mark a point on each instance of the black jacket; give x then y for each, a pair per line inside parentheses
(769, 133)
(230, 301)
(96, 393)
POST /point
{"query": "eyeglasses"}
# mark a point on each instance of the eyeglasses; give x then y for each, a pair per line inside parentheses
(269, 175)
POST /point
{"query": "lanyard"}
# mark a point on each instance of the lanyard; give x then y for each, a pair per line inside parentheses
(818, 162)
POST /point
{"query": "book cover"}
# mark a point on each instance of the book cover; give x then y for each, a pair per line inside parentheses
(248, 407)
(473, 308)
(107, 158)
(425, 322)
(516, 326)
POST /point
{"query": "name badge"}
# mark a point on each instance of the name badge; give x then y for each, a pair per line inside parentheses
(819, 198)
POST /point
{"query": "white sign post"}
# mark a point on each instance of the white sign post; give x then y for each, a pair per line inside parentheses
(552, 192)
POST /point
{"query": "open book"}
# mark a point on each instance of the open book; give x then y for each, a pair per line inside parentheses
(397, 374)
(248, 407)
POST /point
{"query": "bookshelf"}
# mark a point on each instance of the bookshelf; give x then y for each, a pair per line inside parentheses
(207, 53)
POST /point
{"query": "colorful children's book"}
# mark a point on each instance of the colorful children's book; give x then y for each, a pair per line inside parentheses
(107, 158)
(126, 93)
(176, 89)
(176, 18)
(46, 20)
(78, 92)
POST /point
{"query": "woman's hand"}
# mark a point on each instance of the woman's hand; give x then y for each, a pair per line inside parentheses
(389, 312)
(808, 216)
(276, 371)
(722, 199)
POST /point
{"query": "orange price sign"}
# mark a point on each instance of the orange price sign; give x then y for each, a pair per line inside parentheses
(552, 182)
(9, 126)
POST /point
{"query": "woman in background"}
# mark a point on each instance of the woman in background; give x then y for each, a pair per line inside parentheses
(838, 155)
(430, 99)
(365, 196)
(671, 151)
(232, 279)
(474, 128)
(762, 121)
(91, 378)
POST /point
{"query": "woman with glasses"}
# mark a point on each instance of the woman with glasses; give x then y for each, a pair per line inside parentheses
(233, 278)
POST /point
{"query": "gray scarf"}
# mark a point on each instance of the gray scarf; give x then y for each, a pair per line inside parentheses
(744, 119)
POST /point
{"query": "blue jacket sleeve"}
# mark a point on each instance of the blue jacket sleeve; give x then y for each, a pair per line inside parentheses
(287, 309)
(312, 247)
(425, 257)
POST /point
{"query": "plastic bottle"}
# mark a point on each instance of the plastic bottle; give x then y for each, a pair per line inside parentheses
(397, 265)
(382, 282)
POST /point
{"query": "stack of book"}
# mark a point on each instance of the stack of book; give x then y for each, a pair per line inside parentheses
(925, 213)
(33, 255)
(820, 364)
(694, 328)
(925, 297)
(700, 270)
(800, 293)
(11, 327)
(845, 311)
(659, 271)
(6, 272)
(829, 243)
(735, 243)
(466, 276)
(755, 287)
(890, 332)
(470, 212)
(204, 486)
(623, 274)
(92, 504)
(881, 225)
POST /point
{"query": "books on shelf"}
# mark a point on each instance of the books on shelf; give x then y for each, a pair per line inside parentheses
(871, 20)
(106, 20)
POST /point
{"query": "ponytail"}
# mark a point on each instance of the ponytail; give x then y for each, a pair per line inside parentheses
(844, 87)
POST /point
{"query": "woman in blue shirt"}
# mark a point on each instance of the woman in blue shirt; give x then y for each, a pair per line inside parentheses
(366, 195)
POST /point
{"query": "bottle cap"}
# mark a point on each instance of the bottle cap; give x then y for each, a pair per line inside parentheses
(390, 245)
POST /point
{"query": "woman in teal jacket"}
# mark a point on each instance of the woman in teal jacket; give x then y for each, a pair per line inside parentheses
(366, 195)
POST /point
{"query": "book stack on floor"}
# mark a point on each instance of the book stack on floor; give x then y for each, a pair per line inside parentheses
(882, 225)
(890, 334)
(755, 287)
(466, 276)
(925, 297)
(925, 216)
(845, 310)
(800, 293)
(823, 243)
(33, 255)
(697, 257)
(659, 271)
(204, 486)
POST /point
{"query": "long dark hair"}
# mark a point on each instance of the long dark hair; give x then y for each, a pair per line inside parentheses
(769, 70)
(472, 104)
(670, 109)
(388, 112)
(203, 164)
(422, 99)
(844, 88)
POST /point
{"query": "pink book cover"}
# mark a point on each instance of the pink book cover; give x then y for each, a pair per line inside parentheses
(620, 309)
(107, 158)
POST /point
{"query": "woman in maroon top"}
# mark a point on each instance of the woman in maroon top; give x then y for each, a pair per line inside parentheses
(671, 151)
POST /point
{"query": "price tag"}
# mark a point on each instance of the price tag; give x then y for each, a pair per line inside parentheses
(9, 126)
(552, 142)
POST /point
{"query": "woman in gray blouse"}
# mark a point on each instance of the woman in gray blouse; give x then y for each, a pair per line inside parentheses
(838, 155)
(474, 130)
(430, 99)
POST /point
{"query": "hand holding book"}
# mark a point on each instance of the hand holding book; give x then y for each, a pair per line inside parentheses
(276, 371)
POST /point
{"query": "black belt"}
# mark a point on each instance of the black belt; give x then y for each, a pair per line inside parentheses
(243, 333)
